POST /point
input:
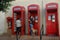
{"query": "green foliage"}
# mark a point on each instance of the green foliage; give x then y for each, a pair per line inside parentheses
(4, 4)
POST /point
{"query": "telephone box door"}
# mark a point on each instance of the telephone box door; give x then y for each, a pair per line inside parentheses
(34, 13)
(52, 19)
(18, 12)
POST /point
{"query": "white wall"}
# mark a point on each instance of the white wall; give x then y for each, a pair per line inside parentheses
(25, 3)
(3, 27)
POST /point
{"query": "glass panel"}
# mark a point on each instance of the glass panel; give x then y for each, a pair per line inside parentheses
(49, 17)
(53, 18)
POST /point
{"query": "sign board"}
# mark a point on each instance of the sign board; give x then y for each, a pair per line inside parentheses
(51, 6)
(17, 9)
(32, 7)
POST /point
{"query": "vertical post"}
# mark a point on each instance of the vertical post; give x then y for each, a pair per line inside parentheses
(41, 31)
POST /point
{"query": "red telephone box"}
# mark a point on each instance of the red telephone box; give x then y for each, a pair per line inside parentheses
(33, 10)
(18, 12)
(52, 19)
(9, 22)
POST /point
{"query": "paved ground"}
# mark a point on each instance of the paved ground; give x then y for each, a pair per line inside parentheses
(50, 38)
(8, 36)
(25, 37)
(21, 38)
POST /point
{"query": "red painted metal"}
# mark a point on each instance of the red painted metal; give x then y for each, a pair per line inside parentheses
(51, 24)
(21, 14)
(35, 12)
(9, 20)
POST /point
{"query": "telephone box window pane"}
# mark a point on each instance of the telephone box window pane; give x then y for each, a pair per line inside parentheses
(49, 17)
